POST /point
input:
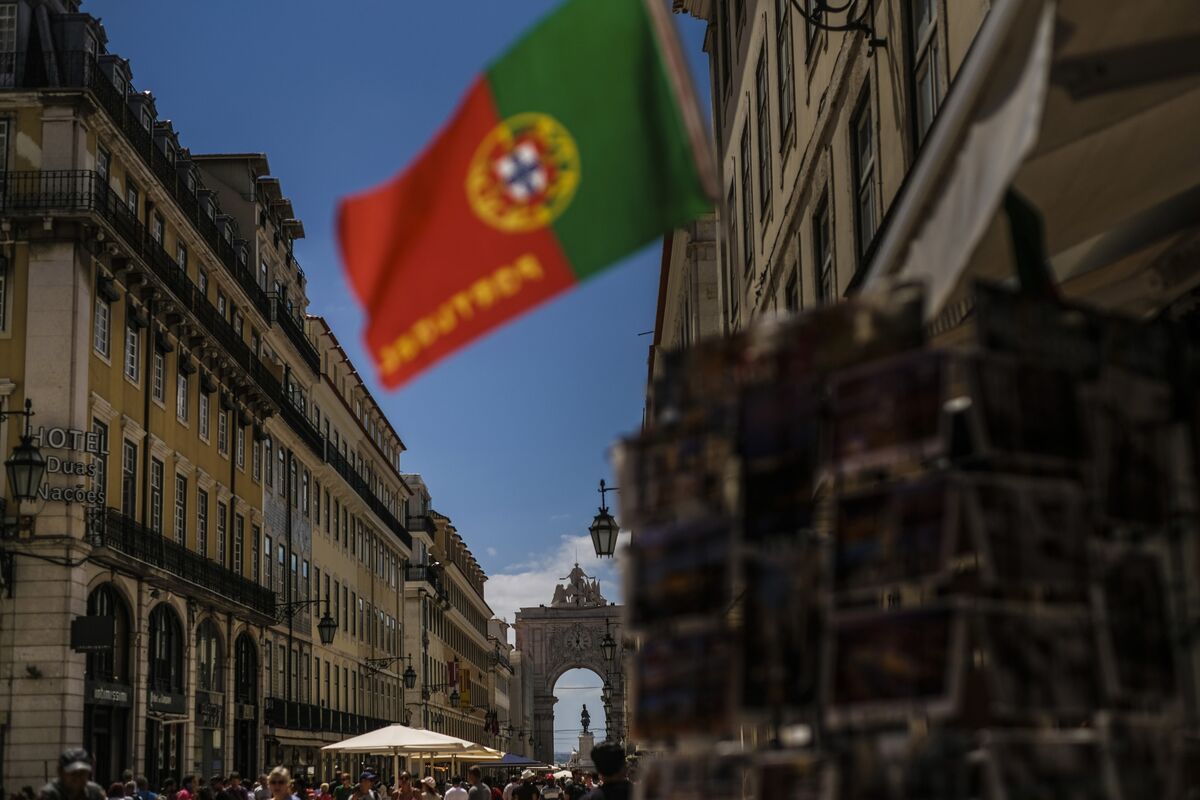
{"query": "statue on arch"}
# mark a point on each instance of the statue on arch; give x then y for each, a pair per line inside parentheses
(585, 719)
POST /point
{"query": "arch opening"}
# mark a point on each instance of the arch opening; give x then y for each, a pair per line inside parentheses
(574, 689)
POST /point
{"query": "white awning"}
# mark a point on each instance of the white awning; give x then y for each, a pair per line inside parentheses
(403, 740)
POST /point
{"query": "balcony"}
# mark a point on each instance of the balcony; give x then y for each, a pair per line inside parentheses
(77, 70)
(86, 192)
(343, 467)
(296, 716)
(295, 333)
(422, 522)
(110, 530)
(426, 573)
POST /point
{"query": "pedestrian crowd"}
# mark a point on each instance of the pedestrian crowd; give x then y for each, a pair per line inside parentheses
(74, 782)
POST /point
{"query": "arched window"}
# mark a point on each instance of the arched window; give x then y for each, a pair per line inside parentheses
(166, 650)
(112, 666)
(210, 672)
(245, 679)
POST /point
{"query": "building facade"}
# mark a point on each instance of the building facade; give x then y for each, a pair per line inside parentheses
(219, 481)
(815, 132)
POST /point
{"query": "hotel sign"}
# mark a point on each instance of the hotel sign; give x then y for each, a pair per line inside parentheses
(83, 473)
(167, 702)
(108, 694)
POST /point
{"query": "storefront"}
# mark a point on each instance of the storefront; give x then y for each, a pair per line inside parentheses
(210, 699)
(108, 689)
(166, 703)
(245, 689)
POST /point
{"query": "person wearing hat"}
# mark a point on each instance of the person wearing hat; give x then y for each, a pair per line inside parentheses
(429, 788)
(609, 758)
(74, 781)
(366, 787)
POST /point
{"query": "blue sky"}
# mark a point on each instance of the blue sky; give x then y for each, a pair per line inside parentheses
(512, 434)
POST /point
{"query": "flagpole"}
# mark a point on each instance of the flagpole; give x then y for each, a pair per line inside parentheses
(685, 92)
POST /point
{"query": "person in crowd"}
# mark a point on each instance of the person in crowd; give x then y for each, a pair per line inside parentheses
(456, 790)
(279, 783)
(131, 789)
(345, 787)
(28, 793)
(514, 780)
(551, 791)
(235, 789)
(404, 788)
(366, 787)
(527, 789)
(186, 788)
(143, 789)
(322, 792)
(169, 788)
(116, 791)
(429, 789)
(609, 758)
(479, 790)
(262, 790)
(74, 781)
(219, 788)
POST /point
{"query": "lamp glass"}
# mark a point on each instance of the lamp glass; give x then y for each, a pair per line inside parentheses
(604, 531)
(410, 677)
(327, 629)
(608, 645)
(25, 467)
(454, 697)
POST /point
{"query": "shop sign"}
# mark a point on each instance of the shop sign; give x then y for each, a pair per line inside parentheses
(83, 473)
(210, 710)
(167, 702)
(93, 634)
(108, 694)
(247, 711)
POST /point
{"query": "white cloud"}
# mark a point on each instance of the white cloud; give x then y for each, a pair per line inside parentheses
(491, 551)
(531, 583)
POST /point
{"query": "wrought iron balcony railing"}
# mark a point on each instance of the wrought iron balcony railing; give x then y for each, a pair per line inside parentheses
(109, 529)
(295, 333)
(84, 191)
(297, 716)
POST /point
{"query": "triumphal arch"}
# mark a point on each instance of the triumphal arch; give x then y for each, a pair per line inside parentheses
(572, 633)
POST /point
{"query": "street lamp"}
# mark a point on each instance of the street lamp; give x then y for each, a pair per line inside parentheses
(410, 675)
(608, 645)
(25, 467)
(326, 628)
(606, 692)
(604, 528)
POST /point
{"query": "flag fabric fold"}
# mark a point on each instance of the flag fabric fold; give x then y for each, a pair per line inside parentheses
(579, 145)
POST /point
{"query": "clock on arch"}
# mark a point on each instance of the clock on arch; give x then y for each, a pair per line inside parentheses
(578, 639)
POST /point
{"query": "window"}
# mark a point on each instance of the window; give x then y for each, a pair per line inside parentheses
(732, 299)
(256, 459)
(129, 459)
(103, 159)
(158, 378)
(747, 205)
(180, 509)
(923, 58)
(761, 98)
(267, 561)
(262, 276)
(202, 522)
(239, 532)
(304, 492)
(202, 414)
(156, 228)
(156, 495)
(181, 397)
(783, 65)
(863, 158)
(268, 463)
(222, 523)
(255, 537)
(241, 447)
(823, 253)
(100, 459)
(133, 346)
(202, 283)
(102, 328)
(316, 502)
(223, 432)
(221, 304)
(791, 293)
(239, 323)
(131, 196)
(724, 64)
(181, 256)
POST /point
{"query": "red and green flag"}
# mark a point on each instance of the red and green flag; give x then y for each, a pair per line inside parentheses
(579, 145)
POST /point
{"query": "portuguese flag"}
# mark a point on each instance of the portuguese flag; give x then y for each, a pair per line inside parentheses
(579, 145)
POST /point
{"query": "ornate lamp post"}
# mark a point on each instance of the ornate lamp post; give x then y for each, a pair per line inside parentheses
(25, 467)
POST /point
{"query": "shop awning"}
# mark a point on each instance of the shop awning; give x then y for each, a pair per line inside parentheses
(1087, 108)
(403, 740)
